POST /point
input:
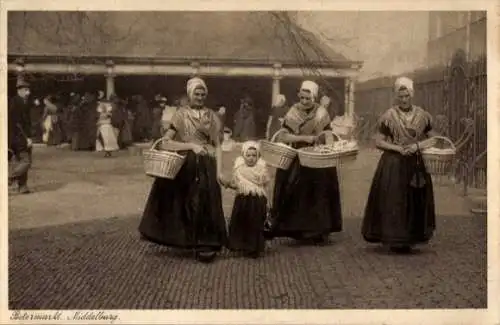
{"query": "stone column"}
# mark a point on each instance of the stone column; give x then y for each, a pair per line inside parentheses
(110, 79)
(346, 94)
(276, 87)
(350, 106)
(349, 122)
(110, 85)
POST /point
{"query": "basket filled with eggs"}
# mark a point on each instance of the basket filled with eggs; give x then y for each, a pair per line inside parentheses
(438, 161)
(331, 154)
(277, 154)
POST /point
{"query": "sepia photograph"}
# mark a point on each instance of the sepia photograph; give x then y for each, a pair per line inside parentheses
(245, 160)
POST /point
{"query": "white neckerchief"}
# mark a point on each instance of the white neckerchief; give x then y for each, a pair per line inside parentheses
(250, 180)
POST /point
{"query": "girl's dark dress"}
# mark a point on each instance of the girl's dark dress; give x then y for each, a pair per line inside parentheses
(187, 212)
(306, 201)
(246, 228)
(400, 207)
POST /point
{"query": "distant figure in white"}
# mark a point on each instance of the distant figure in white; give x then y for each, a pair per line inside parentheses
(107, 137)
(51, 125)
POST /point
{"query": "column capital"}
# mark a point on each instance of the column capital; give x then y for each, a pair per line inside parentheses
(277, 71)
(196, 68)
(110, 67)
(19, 62)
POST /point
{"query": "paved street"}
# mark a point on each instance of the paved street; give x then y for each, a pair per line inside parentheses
(74, 244)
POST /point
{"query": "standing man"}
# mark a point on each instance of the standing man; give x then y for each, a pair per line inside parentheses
(19, 137)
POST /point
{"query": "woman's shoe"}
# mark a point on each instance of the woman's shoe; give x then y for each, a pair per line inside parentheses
(254, 255)
(320, 240)
(205, 256)
(23, 189)
(401, 249)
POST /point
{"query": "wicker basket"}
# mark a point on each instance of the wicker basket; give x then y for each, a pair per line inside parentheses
(312, 159)
(160, 163)
(278, 155)
(439, 163)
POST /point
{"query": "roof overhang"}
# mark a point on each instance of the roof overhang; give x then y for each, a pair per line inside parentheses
(179, 66)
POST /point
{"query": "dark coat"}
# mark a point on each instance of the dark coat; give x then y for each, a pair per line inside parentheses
(19, 124)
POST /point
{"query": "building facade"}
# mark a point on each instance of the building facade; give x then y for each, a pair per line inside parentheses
(260, 53)
(450, 31)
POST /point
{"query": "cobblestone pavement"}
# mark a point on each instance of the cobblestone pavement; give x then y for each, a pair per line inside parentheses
(103, 265)
(74, 244)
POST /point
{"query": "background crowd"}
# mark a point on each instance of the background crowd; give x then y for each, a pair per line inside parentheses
(73, 119)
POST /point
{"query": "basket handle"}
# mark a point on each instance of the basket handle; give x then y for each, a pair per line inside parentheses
(275, 135)
(153, 146)
(329, 136)
(446, 140)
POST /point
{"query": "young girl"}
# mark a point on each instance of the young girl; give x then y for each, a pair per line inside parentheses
(250, 181)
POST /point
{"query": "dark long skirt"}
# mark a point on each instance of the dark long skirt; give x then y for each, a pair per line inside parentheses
(306, 203)
(400, 207)
(246, 228)
(125, 135)
(186, 212)
(56, 135)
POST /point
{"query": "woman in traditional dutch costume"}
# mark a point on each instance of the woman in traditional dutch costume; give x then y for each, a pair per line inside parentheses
(250, 181)
(306, 201)
(400, 207)
(187, 212)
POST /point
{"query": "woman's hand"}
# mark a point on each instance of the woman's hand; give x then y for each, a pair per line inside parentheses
(411, 149)
(431, 142)
(198, 149)
(310, 139)
(221, 180)
(401, 150)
